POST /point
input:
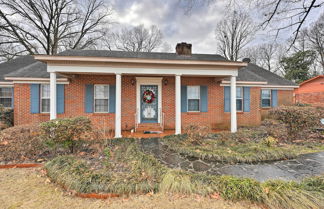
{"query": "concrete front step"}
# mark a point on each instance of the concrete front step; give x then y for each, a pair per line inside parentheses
(148, 127)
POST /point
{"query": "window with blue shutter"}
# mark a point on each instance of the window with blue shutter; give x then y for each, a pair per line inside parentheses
(184, 104)
(247, 99)
(34, 98)
(274, 98)
(227, 99)
(89, 98)
(60, 98)
(112, 99)
(204, 98)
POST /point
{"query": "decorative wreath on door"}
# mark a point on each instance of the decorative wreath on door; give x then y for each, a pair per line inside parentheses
(148, 96)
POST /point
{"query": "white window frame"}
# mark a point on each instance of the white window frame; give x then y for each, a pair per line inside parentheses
(3, 97)
(94, 98)
(266, 98)
(198, 99)
(241, 98)
(41, 99)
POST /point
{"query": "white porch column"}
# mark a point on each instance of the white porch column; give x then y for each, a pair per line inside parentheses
(178, 104)
(52, 95)
(233, 105)
(118, 107)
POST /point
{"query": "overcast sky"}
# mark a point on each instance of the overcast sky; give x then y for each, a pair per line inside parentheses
(197, 28)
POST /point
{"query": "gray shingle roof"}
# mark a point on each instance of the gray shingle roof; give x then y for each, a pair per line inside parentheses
(271, 78)
(143, 55)
(15, 64)
(250, 73)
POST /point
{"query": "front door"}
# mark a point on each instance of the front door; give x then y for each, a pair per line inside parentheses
(149, 103)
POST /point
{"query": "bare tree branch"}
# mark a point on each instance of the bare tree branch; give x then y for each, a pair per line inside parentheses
(138, 39)
(50, 26)
(233, 33)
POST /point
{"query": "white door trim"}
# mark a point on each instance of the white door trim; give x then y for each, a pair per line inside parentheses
(148, 81)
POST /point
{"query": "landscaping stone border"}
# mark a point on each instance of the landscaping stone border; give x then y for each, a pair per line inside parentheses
(23, 165)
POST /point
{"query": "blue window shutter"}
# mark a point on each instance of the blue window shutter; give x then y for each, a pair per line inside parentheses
(60, 98)
(204, 98)
(89, 98)
(274, 98)
(184, 102)
(246, 95)
(34, 98)
(13, 98)
(112, 99)
(227, 99)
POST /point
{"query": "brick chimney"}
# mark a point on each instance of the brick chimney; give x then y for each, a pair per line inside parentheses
(183, 49)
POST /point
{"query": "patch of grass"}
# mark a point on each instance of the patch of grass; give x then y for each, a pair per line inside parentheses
(143, 172)
(230, 151)
(273, 194)
(146, 174)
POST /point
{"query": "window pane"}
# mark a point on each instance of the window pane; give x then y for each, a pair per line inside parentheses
(45, 105)
(193, 92)
(266, 93)
(239, 104)
(193, 105)
(101, 105)
(266, 102)
(45, 91)
(5, 92)
(239, 93)
(6, 102)
(101, 91)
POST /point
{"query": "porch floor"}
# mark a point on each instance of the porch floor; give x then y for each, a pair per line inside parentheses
(128, 134)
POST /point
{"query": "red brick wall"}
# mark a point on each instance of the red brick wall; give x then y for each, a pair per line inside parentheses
(311, 92)
(75, 93)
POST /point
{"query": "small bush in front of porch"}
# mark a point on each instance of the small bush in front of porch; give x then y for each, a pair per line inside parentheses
(64, 132)
(196, 134)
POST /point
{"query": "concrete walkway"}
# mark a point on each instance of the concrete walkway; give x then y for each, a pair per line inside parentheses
(296, 169)
(304, 166)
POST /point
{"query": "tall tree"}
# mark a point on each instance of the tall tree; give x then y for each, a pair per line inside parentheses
(282, 14)
(49, 26)
(316, 39)
(297, 66)
(233, 33)
(138, 39)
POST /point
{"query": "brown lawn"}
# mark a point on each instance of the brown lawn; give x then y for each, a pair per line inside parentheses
(27, 188)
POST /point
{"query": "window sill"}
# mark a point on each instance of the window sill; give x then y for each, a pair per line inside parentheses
(102, 113)
(193, 113)
(266, 108)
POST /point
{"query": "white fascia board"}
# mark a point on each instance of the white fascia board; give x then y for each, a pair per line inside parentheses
(41, 82)
(142, 71)
(265, 86)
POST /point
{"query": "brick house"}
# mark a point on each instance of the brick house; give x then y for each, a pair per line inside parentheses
(311, 92)
(130, 90)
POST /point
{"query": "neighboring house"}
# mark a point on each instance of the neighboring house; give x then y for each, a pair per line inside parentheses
(311, 92)
(6, 87)
(127, 90)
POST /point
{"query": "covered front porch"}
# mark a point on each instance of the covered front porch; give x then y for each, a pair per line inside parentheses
(150, 77)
